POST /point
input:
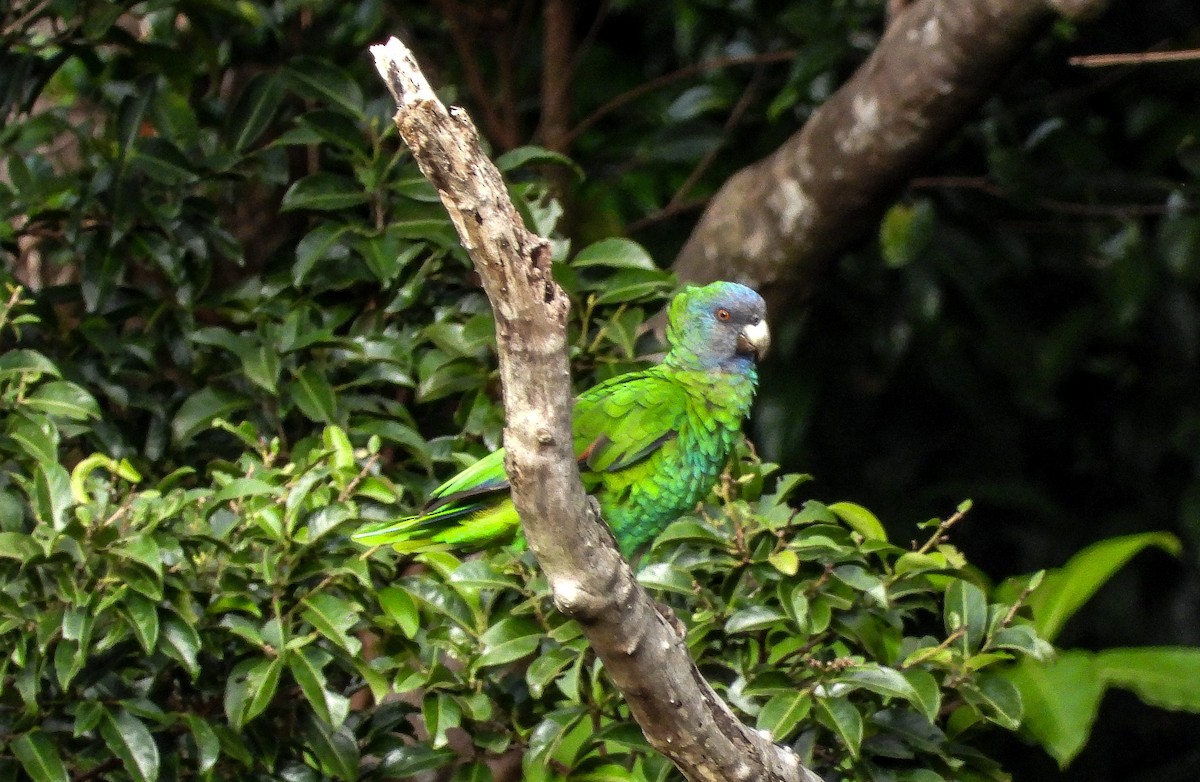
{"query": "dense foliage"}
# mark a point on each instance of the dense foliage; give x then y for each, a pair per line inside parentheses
(251, 326)
(223, 626)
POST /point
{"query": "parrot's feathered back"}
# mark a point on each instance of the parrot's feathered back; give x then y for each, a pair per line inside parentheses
(650, 444)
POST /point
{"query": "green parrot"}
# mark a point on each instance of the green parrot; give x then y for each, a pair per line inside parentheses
(650, 444)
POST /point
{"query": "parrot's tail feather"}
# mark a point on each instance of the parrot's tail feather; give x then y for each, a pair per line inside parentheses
(411, 527)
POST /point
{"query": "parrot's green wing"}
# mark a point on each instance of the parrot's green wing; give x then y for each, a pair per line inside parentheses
(623, 421)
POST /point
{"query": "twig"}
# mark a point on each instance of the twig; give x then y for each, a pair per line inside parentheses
(735, 116)
(669, 78)
(1134, 58)
(943, 527)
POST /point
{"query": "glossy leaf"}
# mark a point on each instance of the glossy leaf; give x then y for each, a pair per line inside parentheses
(200, 409)
(250, 688)
(965, 611)
(323, 192)
(334, 749)
(782, 713)
(841, 717)
(37, 754)
(130, 740)
(254, 109)
(614, 253)
(64, 399)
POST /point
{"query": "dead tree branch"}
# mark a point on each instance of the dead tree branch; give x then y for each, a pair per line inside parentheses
(778, 222)
(646, 658)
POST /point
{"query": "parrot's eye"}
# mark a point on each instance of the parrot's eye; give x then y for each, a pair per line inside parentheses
(722, 314)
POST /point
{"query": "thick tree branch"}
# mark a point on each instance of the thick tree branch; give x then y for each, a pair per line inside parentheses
(645, 657)
(779, 222)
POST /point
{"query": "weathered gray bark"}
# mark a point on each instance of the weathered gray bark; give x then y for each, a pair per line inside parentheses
(645, 657)
(777, 223)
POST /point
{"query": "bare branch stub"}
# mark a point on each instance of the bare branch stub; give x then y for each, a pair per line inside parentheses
(644, 656)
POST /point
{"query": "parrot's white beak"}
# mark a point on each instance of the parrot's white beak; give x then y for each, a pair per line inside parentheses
(754, 339)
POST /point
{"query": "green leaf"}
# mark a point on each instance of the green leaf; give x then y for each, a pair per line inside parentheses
(26, 362)
(250, 688)
(180, 641)
(64, 399)
(634, 285)
(604, 772)
(307, 667)
(754, 618)
(666, 577)
(841, 716)
(97, 461)
(330, 85)
(38, 755)
(208, 745)
(19, 546)
(162, 161)
(333, 617)
(130, 740)
(905, 232)
(260, 364)
(1164, 676)
(142, 614)
(36, 435)
(508, 640)
(69, 657)
(318, 244)
(927, 695)
(616, 253)
(546, 737)
(334, 748)
(240, 488)
(441, 712)
(966, 607)
(254, 109)
(313, 395)
(334, 127)
(885, 681)
(200, 409)
(782, 713)
(857, 577)
(478, 772)
(442, 374)
(785, 561)
(1021, 638)
(408, 761)
(323, 191)
(547, 667)
(860, 520)
(399, 606)
(52, 496)
(533, 155)
(996, 697)
(1064, 591)
(479, 574)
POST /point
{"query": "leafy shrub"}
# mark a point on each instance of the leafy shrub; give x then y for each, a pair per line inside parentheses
(224, 229)
(179, 628)
(216, 625)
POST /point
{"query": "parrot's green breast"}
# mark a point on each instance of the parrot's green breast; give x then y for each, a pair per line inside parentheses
(639, 501)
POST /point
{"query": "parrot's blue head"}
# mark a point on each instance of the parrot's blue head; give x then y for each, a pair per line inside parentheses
(720, 326)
